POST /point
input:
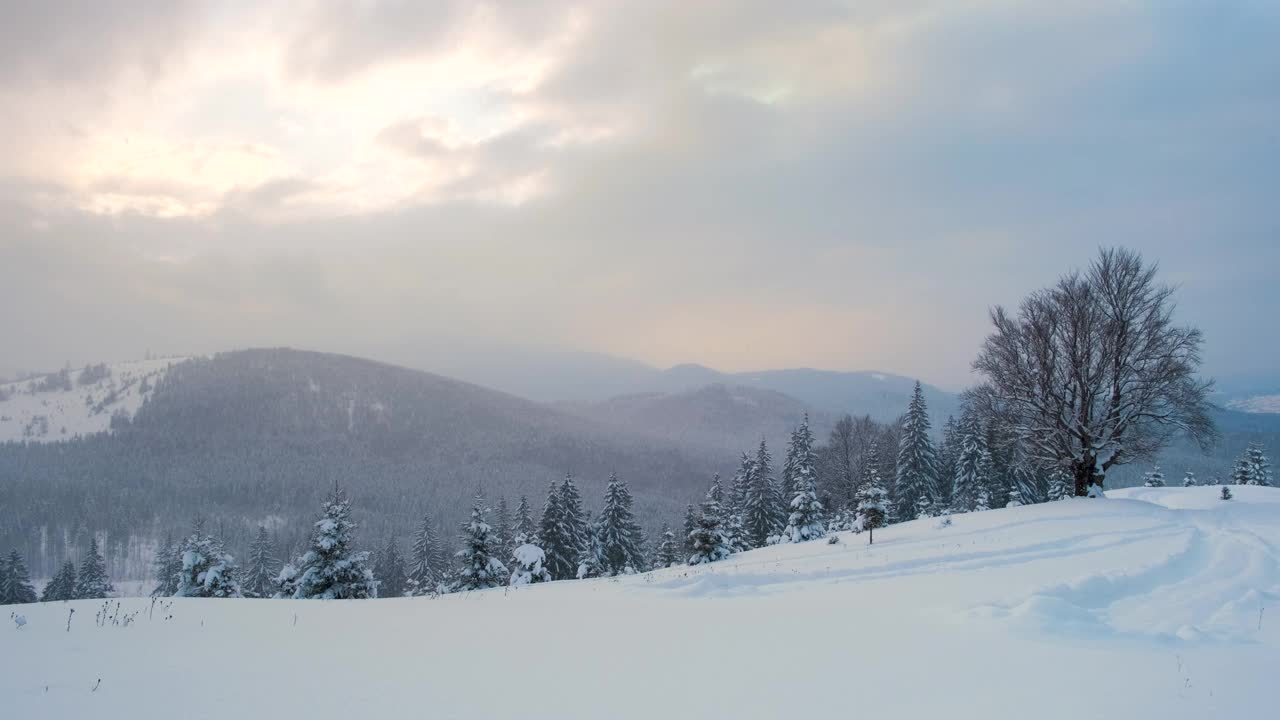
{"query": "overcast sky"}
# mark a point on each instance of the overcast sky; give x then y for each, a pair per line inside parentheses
(747, 185)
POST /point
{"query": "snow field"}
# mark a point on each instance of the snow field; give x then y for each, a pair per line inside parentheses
(1150, 604)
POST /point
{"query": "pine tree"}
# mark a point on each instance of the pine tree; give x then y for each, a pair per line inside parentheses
(15, 581)
(948, 455)
(777, 501)
(591, 560)
(917, 469)
(526, 531)
(1189, 479)
(331, 568)
(619, 534)
(1242, 472)
(427, 561)
(503, 530)
(167, 565)
(206, 569)
(389, 571)
(668, 552)
(572, 516)
(561, 551)
(92, 582)
(1226, 493)
(972, 465)
(708, 540)
(758, 515)
(691, 520)
(787, 480)
(873, 504)
(1259, 465)
(1060, 486)
(481, 568)
(528, 561)
(1153, 478)
(63, 584)
(260, 574)
(806, 520)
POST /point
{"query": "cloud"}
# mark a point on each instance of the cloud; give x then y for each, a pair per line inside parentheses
(744, 184)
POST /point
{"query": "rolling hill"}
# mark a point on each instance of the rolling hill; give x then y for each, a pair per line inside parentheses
(256, 436)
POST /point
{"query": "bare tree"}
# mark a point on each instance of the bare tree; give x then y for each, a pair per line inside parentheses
(1092, 373)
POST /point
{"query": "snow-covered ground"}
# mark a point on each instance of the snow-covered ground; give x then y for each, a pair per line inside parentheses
(1156, 603)
(29, 412)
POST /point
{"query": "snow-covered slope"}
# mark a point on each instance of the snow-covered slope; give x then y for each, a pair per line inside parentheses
(1156, 603)
(77, 402)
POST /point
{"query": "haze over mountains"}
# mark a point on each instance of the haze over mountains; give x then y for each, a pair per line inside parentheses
(135, 451)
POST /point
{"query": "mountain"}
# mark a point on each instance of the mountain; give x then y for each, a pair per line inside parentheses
(587, 378)
(727, 417)
(257, 436)
(76, 403)
(1157, 596)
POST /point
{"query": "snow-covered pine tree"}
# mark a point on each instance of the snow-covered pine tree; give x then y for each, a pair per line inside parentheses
(591, 562)
(917, 469)
(1153, 478)
(948, 454)
(983, 501)
(1060, 485)
(528, 559)
(1189, 479)
(481, 568)
(167, 565)
(1242, 472)
(708, 540)
(206, 569)
(619, 533)
(389, 571)
(525, 530)
(331, 568)
(560, 550)
(426, 562)
(873, 504)
(758, 513)
(92, 581)
(778, 502)
(572, 516)
(15, 581)
(503, 531)
(806, 519)
(63, 584)
(1259, 465)
(258, 579)
(972, 465)
(787, 478)
(668, 551)
(691, 517)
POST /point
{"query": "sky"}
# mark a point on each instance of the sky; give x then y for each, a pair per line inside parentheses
(744, 184)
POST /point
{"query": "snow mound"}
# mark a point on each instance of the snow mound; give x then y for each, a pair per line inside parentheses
(75, 403)
(1166, 599)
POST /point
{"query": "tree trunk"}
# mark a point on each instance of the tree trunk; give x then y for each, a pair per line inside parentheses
(1085, 475)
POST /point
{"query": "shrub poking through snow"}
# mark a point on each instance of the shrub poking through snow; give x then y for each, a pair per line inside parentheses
(1226, 493)
(1153, 478)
